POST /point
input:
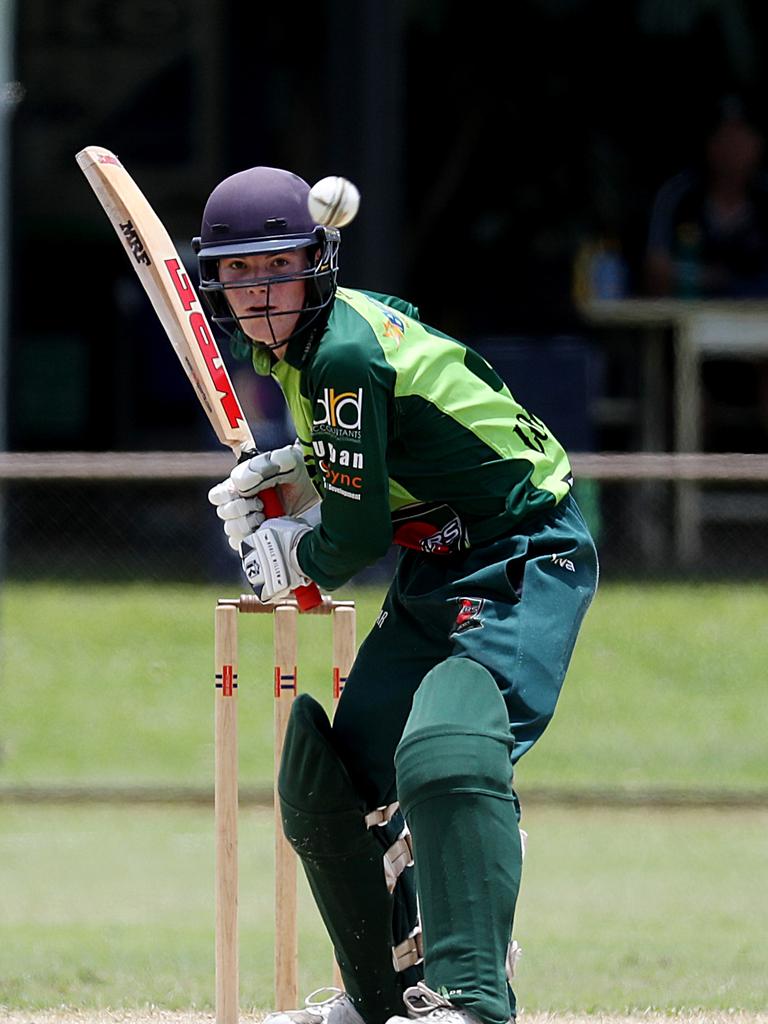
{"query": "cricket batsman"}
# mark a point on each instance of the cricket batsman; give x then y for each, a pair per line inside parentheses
(403, 810)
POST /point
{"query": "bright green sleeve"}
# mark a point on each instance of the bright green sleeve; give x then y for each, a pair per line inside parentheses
(395, 415)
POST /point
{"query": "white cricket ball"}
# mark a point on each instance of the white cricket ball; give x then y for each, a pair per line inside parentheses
(333, 201)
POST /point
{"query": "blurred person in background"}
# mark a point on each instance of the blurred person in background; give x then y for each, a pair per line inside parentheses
(407, 436)
(708, 232)
(708, 239)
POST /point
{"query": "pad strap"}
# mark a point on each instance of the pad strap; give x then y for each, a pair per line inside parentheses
(381, 815)
(397, 858)
(409, 952)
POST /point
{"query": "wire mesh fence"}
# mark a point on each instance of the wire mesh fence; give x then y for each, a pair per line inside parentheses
(127, 516)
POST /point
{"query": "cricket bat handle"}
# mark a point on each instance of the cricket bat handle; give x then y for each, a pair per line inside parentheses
(273, 507)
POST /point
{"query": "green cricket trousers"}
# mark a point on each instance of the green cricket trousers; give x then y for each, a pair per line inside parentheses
(457, 679)
(514, 606)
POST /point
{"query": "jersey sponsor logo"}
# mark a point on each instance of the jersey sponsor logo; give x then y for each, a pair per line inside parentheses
(394, 327)
(340, 412)
(332, 454)
(445, 540)
(430, 527)
(338, 490)
(339, 482)
(470, 614)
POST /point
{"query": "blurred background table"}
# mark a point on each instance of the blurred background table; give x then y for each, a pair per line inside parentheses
(698, 330)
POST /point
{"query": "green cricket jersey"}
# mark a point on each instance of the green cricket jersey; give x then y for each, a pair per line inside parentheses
(409, 436)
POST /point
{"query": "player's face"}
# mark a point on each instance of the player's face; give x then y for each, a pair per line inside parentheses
(267, 311)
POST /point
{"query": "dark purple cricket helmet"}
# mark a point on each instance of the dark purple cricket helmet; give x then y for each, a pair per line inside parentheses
(264, 210)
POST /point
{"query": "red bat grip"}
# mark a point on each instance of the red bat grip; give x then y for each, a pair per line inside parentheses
(306, 597)
(273, 507)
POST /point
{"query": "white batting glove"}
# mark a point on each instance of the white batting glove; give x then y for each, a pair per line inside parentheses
(269, 558)
(241, 516)
(282, 468)
(235, 498)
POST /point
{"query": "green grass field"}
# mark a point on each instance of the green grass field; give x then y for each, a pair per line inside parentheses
(113, 685)
(112, 906)
(105, 906)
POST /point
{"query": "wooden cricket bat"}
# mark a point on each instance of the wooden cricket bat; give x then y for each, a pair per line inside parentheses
(159, 268)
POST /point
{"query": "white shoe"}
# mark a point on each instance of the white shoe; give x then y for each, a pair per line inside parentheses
(425, 1005)
(335, 1008)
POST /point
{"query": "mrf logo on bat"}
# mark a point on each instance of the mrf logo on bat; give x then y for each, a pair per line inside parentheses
(135, 244)
(202, 332)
